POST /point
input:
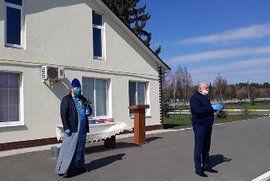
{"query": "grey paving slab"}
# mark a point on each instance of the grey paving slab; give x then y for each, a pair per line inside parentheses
(240, 152)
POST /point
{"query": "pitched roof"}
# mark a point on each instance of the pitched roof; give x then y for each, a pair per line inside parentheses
(158, 60)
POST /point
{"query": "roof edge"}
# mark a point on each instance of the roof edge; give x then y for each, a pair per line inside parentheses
(163, 64)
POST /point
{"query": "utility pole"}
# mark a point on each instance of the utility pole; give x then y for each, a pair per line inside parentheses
(174, 93)
(248, 91)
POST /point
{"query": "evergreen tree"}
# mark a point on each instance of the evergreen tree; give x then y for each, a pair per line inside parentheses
(135, 17)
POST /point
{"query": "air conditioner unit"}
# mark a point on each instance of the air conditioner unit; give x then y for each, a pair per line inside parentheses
(52, 73)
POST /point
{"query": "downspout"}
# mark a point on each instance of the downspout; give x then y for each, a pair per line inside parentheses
(161, 95)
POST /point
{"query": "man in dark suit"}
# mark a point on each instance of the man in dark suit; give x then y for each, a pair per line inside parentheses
(202, 121)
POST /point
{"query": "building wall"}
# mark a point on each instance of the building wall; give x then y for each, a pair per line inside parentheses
(60, 33)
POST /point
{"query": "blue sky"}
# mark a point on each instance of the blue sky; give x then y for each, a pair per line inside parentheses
(211, 37)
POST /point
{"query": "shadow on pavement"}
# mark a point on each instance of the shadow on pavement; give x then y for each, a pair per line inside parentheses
(100, 148)
(218, 159)
(96, 164)
(152, 139)
(119, 145)
(173, 126)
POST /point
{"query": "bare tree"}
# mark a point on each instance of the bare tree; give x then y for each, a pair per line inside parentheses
(168, 89)
(241, 93)
(254, 93)
(177, 84)
(265, 92)
(183, 82)
(220, 87)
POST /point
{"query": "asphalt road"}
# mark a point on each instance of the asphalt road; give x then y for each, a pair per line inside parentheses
(240, 152)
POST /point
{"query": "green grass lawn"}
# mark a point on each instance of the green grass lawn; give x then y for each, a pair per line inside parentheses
(255, 105)
(184, 121)
(240, 105)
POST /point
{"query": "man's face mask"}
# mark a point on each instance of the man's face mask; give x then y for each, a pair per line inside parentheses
(205, 92)
(77, 91)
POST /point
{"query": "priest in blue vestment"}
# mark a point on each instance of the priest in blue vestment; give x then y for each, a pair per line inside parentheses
(75, 109)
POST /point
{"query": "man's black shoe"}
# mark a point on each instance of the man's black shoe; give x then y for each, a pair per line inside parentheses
(210, 170)
(201, 173)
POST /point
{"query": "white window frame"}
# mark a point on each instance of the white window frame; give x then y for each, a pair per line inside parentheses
(147, 96)
(20, 122)
(23, 32)
(93, 102)
(102, 28)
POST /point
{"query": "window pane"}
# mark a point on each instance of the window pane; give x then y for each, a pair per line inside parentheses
(9, 97)
(101, 97)
(13, 80)
(141, 86)
(88, 91)
(3, 113)
(13, 96)
(88, 88)
(97, 92)
(18, 2)
(3, 97)
(13, 112)
(97, 19)
(13, 26)
(3, 80)
(132, 93)
(97, 42)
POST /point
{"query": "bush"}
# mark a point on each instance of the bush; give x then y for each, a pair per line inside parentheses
(166, 109)
(221, 114)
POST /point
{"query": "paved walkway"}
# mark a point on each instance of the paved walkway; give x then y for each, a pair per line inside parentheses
(240, 152)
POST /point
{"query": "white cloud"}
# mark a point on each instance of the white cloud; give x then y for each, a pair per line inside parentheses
(219, 54)
(255, 69)
(250, 32)
(235, 77)
(244, 64)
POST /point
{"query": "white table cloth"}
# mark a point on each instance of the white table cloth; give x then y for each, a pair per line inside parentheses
(99, 131)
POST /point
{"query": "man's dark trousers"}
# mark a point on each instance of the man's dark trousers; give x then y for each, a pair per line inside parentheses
(202, 146)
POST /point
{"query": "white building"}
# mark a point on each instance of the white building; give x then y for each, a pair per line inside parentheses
(90, 43)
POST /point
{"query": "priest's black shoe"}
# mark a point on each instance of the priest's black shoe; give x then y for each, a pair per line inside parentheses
(82, 170)
(70, 174)
(210, 170)
(201, 173)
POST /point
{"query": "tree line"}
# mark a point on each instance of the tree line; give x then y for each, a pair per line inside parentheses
(178, 86)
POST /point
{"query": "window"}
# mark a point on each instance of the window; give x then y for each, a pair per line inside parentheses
(9, 97)
(96, 90)
(14, 23)
(97, 36)
(137, 93)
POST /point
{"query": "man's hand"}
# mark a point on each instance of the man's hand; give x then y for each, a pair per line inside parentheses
(217, 107)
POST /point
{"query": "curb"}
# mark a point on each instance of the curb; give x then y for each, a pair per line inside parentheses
(48, 147)
(263, 177)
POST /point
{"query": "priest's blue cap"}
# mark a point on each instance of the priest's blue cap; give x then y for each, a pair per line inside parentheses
(75, 83)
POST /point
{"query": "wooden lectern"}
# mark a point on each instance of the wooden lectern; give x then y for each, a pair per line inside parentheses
(139, 123)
